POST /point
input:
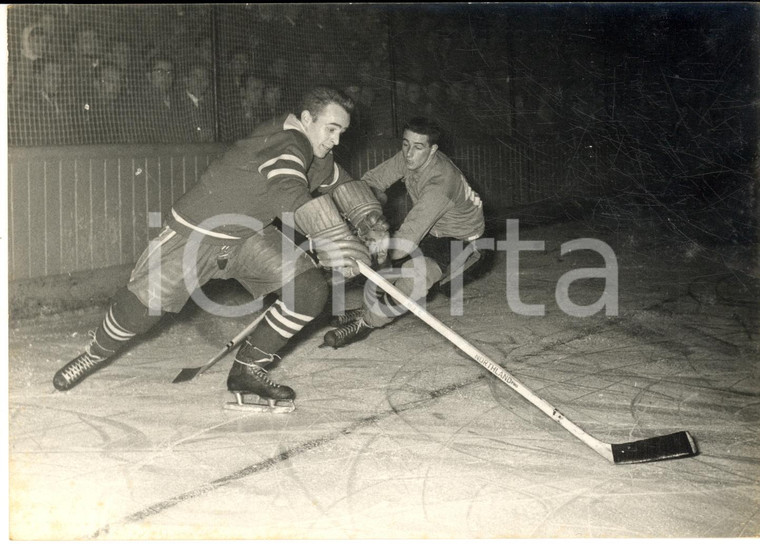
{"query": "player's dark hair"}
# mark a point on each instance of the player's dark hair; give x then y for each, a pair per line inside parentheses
(426, 127)
(319, 98)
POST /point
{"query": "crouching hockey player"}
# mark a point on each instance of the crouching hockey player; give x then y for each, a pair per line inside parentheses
(446, 214)
(226, 224)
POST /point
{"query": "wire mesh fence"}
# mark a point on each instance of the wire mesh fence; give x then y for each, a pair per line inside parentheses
(577, 103)
(94, 74)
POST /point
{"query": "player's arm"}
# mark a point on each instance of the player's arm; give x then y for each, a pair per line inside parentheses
(285, 169)
(327, 174)
(434, 201)
(385, 174)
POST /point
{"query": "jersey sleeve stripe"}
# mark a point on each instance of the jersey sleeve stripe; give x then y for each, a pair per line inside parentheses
(286, 172)
(336, 176)
(283, 157)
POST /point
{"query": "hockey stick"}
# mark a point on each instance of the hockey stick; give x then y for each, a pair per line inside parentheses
(187, 374)
(658, 448)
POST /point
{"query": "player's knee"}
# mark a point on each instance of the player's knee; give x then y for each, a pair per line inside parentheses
(420, 272)
(311, 291)
(131, 314)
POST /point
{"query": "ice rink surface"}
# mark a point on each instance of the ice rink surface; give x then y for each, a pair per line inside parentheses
(402, 435)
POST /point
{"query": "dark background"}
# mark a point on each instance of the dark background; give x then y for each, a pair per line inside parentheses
(653, 106)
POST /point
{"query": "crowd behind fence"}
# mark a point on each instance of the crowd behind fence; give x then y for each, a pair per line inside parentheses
(95, 74)
(567, 85)
(149, 74)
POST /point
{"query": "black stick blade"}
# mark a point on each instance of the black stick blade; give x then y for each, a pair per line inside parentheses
(186, 374)
(659, 448)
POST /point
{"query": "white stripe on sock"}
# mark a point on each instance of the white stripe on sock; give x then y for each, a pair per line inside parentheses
(114, 331)
(280, 331)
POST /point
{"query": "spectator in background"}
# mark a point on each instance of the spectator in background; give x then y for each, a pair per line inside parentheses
(195, 104)
(86, 57)
(411, 104)
(119, 53)
(279, 71)
(455, 122)
(473, 114)
(33, 48)
(40, 115)
(377, 115)
(362, 121)
(104, 115)
(273, 100)
(204, 51)
(248, 110)
(400, 92)
(471, 98)
(359, 116)
(353, 92)
(88, 49)
(433, 102)
(315, 62)
(237, 68)
(367, 74)
(157, 115)
(330, 73)
(375, 99)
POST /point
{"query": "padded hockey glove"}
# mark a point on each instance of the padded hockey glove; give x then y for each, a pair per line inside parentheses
(374, 231)
(358, 202)
(330, 237)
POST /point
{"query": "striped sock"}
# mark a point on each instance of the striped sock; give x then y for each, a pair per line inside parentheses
(126, 318)
(110, 336)
(285, 321)
(280, 324)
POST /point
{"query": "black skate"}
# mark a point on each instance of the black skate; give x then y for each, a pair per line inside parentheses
(349, 317)
(80, 367)
(255, 392)
(347, 334)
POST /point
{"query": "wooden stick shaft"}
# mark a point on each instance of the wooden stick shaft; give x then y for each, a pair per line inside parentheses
(602, 448)
(232, 343)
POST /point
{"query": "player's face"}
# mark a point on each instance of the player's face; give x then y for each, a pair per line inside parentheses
(416, 149)
(325, 129)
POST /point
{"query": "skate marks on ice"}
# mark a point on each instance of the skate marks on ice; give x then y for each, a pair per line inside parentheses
(273, 462)
(405, 428)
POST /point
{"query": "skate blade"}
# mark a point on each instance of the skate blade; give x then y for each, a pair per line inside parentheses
(254, 403)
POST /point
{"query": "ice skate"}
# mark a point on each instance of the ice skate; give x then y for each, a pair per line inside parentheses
(349, 317)
(76, 370)
(255, 392)
(347, 334)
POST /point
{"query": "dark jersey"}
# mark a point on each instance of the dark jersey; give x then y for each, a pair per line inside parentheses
(260, 178)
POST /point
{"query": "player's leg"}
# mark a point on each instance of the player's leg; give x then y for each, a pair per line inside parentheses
(136, 308)
(303, 293)
(417, 276)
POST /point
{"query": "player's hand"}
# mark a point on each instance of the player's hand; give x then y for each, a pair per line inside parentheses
(374, 231)
(342, 255)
